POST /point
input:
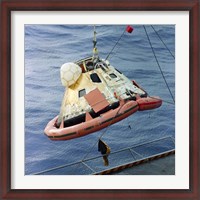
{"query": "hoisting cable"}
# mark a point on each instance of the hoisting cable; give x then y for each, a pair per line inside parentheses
(159, 64)
(163, 42)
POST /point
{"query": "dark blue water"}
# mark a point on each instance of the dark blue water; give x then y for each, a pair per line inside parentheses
(47, 47)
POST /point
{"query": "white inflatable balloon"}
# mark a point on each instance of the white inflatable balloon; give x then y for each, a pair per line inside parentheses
(69, 73)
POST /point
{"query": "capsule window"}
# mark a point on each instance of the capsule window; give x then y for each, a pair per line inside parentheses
(81, 93)
(95, 78)
(113, 75)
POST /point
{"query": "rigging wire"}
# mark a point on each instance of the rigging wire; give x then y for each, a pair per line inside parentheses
(159, 64)
(163, 42)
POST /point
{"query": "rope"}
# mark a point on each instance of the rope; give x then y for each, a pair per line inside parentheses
(158, 64)
(162, 41)
(116, 51)
(115, 44)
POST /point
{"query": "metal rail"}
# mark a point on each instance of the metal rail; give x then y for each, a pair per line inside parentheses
(119, 167)
(134, 163)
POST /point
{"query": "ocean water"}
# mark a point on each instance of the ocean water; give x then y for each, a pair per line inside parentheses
(47, 47)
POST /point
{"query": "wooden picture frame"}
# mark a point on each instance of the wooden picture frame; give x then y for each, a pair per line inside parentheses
(7, 6)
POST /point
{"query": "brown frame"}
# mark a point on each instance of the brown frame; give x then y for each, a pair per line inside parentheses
(102, 5)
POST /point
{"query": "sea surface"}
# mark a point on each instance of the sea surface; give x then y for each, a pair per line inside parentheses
(47, 47)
